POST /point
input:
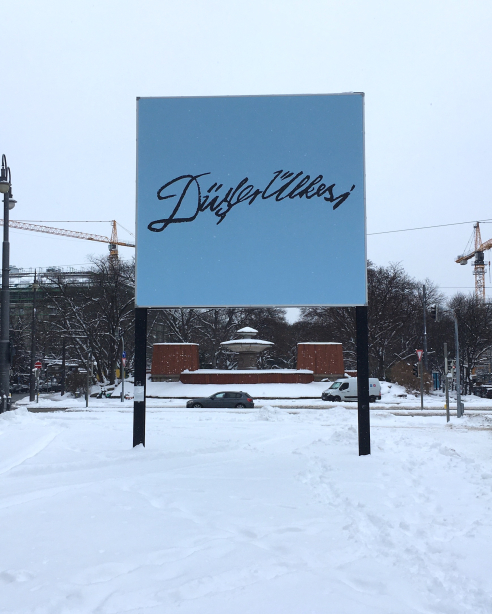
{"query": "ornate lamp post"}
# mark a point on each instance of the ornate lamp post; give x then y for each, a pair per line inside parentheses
(8, 203)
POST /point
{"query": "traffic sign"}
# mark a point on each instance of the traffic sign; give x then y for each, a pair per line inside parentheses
(37, 365)
(123, 354)
(123, 360)
(419, 354)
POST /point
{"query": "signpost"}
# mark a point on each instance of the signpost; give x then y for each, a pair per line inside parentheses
(224, 185)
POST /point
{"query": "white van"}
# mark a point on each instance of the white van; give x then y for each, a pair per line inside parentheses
(346, 390)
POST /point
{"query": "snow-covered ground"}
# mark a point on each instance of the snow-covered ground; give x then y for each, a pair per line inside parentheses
(268, 511)
(269, 391)
(175, 394)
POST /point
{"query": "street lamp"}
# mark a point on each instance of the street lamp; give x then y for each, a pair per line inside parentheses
(8, 203)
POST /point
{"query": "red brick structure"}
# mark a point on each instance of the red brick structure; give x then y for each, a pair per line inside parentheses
(324, 359)
(180, 361)
(209, 376)
(170, 359)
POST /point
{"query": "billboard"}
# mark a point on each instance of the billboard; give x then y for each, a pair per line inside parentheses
(251, 201)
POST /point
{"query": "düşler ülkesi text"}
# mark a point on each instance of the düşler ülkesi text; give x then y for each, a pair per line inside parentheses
(283, 185)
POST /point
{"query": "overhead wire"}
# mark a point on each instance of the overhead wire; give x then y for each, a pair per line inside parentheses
(382, 232)
(385, 232)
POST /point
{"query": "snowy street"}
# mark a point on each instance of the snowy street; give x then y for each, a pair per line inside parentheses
(267, 511)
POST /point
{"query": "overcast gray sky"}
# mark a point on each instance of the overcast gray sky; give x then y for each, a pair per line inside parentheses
(72, 70)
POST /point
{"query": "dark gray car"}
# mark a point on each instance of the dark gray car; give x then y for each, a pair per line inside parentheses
(223, 399)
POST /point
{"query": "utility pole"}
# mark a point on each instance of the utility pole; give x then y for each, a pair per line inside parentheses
(420, 373)
(122, 364)
(446, 380)
(424, 300)
(459, 408)
(64, 366)
(8, 203)
(435, 316)
(38, 371)
(32, 375)
(89, 377)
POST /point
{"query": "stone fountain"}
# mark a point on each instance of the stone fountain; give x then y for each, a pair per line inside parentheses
(247, 347)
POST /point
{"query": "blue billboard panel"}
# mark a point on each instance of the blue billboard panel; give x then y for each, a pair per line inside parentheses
(251, 201)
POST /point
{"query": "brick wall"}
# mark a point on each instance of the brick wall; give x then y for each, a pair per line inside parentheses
(172, 358)
(324, 359)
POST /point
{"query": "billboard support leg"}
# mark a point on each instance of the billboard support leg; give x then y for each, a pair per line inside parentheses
(362, 333)
(140, 376)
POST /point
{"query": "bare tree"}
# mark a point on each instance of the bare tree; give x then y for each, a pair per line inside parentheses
(93, 312)
(475, 331)
(394, 318)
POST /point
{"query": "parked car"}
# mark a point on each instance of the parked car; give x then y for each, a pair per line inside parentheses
(19, 388)
(484, 391)
(223, 399)
(346, 390)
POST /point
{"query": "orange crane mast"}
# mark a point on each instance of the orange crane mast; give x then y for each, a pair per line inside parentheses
(479, 262)
(75, 234)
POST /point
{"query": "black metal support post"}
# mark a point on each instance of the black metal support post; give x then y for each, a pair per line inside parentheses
(140, 376)
(362, 333)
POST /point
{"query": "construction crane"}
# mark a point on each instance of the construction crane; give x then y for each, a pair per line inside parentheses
(479, 263)
(75, 234)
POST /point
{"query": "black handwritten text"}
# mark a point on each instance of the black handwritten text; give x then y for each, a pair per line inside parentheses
(283, 185)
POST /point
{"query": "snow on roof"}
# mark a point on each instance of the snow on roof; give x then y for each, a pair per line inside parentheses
(247, 342)
(247, 329)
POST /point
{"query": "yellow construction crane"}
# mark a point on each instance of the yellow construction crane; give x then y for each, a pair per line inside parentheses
(75, 234)
(479, 263)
